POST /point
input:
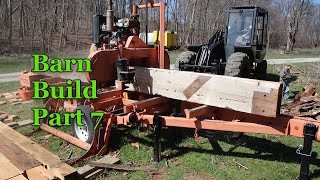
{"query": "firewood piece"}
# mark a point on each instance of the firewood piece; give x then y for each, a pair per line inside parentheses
(20, 123)
(3, 117)
(2, 103)
(88, 171)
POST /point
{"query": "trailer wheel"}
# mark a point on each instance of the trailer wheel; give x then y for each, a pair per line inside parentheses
(185, 57)
(84, 133)
(238, 65)
(261, 70)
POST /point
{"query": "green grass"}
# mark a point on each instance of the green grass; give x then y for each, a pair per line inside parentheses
(298, 53)
(266, 157)
(9, 64)
(14, 64)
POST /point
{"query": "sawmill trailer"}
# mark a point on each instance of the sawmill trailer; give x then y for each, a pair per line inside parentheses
(137, 87)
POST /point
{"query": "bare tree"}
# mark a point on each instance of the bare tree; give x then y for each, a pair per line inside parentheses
(296, 11)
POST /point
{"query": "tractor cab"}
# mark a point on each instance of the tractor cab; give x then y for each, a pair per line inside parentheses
(246, 31)
(239, 51)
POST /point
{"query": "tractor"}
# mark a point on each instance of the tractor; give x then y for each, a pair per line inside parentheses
(239, 51)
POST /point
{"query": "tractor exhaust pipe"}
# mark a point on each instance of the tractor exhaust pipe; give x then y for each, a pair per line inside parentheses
(109, 17)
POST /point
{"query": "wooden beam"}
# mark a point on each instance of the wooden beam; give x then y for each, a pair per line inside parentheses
(244, 95)
(19, 177)
(40, 173)
(20, 123)
(21, 159)
(51, 161)
(8, 170)
(51, 80)
(88, 171)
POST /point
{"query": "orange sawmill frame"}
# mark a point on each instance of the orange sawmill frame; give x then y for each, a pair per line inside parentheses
(130, 108)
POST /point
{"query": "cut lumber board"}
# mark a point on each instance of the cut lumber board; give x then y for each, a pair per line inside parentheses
(39, 173)
(20, 123)
(19, 177)
(8, 170)
(48, 159)
(14, 117)
(8, 120)
(18, 157)
(239, 94)
(13, 98)
(88, 171)
(5, 94)
(3, 117)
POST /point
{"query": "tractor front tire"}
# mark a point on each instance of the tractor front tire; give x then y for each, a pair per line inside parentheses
(261, 70)
(186, 57)
(238, 65)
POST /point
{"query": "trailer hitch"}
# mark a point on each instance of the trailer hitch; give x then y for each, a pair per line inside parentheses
(157, 125)
(309, 132)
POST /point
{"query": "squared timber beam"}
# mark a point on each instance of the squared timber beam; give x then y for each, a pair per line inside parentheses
(239, 94)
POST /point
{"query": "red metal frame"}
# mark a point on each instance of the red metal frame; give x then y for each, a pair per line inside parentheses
(134, 111)
(162, 6)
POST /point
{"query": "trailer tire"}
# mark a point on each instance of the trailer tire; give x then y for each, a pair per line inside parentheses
(238, 65)
(185, 57)
(84, 133)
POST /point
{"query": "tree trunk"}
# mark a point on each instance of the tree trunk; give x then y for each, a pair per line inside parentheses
(191, 26)
(9, 21)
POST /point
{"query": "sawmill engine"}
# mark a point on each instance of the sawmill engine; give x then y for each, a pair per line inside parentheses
(110, 30)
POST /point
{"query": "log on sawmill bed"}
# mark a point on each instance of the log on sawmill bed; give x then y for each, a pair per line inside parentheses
(244, 95)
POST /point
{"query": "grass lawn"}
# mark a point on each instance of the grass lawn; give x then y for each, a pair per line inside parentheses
(298, 53)
(9, 64)
(14, 64)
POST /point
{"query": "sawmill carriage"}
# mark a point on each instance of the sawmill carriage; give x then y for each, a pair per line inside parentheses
(136, 87)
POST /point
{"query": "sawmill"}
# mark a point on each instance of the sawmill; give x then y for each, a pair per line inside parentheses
(130, 84)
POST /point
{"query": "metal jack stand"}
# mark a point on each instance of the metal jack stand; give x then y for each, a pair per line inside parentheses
(157, 123)
(305, 151)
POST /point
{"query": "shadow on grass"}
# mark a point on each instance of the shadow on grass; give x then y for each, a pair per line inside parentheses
(272, 77)
(264, 149)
